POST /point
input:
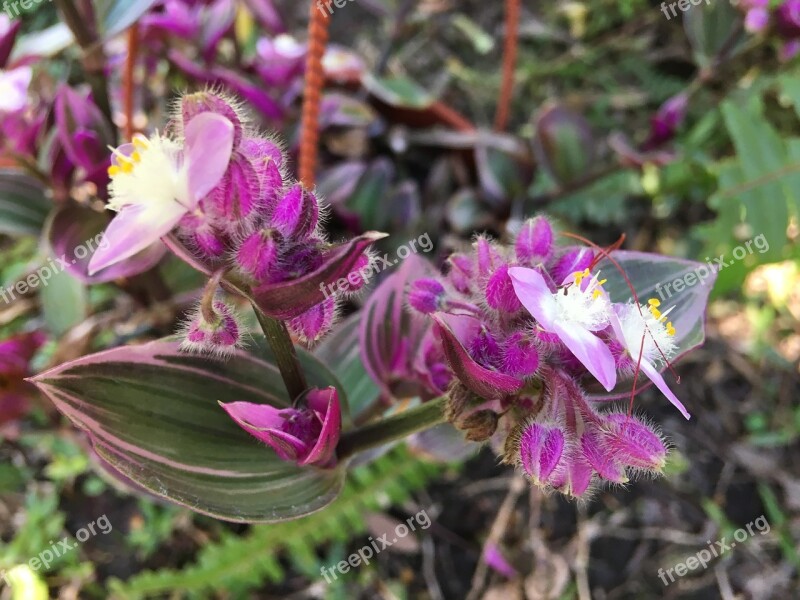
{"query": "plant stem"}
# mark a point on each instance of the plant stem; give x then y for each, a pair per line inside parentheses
(392, 428)
(285, 355)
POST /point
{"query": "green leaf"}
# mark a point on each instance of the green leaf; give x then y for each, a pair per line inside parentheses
(710, 27)
(23, 203)
(65, 302)
(398, 91)
(152, 413)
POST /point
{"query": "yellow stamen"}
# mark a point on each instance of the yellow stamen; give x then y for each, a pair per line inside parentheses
(655, 312)
(654, 302)
(670, 329)
(596, 294)
(113, 170)
(602, 281)
(140, 143)
(127, 167)
(136, 157)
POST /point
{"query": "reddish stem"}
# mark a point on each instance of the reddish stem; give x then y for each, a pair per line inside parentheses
(128, 83)
(509, 62)
(312, 93)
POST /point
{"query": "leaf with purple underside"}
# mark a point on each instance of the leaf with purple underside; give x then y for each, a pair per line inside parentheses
(390, 334)
(153, 414)
(292, 298)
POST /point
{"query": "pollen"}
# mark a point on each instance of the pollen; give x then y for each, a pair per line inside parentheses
(654, 302)
(114, 170)
(670, 329)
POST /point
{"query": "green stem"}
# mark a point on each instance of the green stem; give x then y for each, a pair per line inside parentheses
(392, 428)
(285, 355)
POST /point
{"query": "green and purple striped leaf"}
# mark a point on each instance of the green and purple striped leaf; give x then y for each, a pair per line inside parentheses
(152, 412)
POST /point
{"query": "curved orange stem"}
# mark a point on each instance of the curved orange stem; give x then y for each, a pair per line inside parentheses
(312, 94)
(509, 62)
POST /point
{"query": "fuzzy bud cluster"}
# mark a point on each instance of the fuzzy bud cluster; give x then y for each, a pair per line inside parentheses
(256, 218)
(512, 379)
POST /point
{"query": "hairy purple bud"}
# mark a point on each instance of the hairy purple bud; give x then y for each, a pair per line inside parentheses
(200, 102)
(520, 356)
(540, 451)
(258, 254)
(577, 259)
(461, 272)
(500, 294)
(426, 295)
(215, 331)
(315, 322)
(635, 444)
(535, 241)
(600, 457)
(296, 214)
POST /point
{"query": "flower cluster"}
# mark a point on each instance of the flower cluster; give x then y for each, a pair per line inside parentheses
(514, 332)
(223, 188)
(784, 17)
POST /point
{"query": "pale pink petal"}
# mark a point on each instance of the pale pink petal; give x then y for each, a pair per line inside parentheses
(209, 144)
(656, 378)
(133, 229)
(535, 295)
(591, 351)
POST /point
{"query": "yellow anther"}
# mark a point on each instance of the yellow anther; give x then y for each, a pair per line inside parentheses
(578, 275)
(670, 329)
(127, 167)
(602, 281)
(596, 294)
(140, 143)
(654, 302)
(113, 170)
(655, 312)
(136, 157)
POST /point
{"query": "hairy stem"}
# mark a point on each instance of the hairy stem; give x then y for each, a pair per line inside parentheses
(509, 62)
(392, 428)
(312, 93)
(285, 355)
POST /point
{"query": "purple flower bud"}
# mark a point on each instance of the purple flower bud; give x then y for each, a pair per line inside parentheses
(296, 214)
(572, 261)
(426, 295)
(234, 200)
(484, 349)
(534, 241)
(488, 257)
(600, 457)
(461, 272)
(635, 444)
(520, 356)
(258, 254)
(315, 322)
(666, 121)
(200, 102)
(199, 232)
(540, 451)
(304, 436)
(215, 331)
(500, 294)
